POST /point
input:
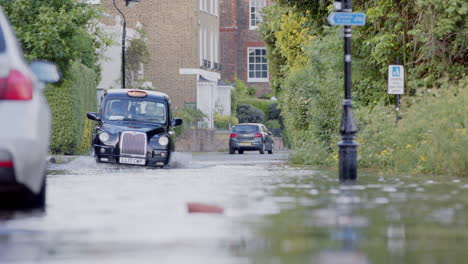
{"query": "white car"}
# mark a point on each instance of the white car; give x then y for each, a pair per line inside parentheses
(24, 123)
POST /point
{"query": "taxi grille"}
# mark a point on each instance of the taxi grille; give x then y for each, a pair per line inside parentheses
(133, 143)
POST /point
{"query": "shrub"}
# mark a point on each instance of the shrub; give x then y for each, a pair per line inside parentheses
(431, 138)
(249, 114)
(190, 116)
(225, 122)
(69, 102)
(262, 104)
(274, 126)
(274, 113)
(312, 95)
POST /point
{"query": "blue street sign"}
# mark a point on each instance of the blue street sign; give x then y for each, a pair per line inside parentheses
(395, 71)
(346, 19)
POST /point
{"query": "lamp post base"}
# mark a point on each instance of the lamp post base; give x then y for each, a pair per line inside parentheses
(348, 147)
(348, 160)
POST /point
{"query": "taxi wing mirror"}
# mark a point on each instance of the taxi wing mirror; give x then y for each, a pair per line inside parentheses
(176, 122)
(93, 116)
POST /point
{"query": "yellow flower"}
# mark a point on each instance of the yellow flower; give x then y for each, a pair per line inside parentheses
(408, 146)
(422, 158)
(335, 157)
(384, 152)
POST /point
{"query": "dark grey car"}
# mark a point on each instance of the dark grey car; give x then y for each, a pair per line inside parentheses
(250, 136)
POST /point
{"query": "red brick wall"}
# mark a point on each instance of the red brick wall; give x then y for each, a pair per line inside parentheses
(235, 38)
(171, 28)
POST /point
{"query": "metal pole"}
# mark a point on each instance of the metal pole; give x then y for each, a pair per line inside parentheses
(397, 101)
(348, 147)
(124, 34)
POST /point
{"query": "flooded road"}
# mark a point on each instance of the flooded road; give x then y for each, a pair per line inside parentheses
(273, 213)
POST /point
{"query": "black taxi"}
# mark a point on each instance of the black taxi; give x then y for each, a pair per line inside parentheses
(134, 127)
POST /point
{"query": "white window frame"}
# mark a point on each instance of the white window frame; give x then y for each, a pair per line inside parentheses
(254, 79)
(255, 4)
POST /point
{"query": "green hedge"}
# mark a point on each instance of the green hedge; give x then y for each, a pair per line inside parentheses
(249, 114)
(69, 102)
(225, 122)
(261, 104)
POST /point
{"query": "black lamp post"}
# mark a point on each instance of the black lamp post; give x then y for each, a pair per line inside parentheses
(124, 35)
(348, 147)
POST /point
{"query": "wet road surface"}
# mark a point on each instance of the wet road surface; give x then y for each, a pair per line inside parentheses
(273, 213)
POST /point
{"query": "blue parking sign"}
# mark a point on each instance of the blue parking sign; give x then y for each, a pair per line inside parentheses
(396, 79)
(395, 71)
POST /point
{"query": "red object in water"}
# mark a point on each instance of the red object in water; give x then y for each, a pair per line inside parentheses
(204, 208)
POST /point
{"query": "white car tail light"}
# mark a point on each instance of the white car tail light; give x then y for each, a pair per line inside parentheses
(16, 86)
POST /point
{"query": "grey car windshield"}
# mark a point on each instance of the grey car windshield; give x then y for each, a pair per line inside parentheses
(127, 109)
(246, 129)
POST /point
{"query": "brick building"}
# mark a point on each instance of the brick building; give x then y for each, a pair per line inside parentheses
(243, 53)
(182, 37)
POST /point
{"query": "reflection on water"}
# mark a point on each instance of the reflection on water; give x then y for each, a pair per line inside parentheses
(101, 213)
(395, 220)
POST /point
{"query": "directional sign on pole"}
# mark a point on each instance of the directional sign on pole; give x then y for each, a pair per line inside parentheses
(346, 19)
(396, 79)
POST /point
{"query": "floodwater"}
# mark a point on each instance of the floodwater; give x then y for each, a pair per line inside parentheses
(273, 213)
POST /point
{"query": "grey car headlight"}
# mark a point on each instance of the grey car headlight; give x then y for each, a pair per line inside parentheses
(104, 136)
(163, 141)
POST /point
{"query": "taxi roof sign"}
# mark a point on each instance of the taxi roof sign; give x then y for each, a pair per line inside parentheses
(136, 94)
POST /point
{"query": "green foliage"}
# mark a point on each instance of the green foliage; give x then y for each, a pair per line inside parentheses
(262, 104)
(271, 24)
(191, 117)
(136, 56)
(431, 138)
(241, 88)
(225, 122)
(239, 91)
(274, 113)
(69, 102)
(58, 30)
(274, 126)
(291, 39)
(310, 102)
(251, 91)
(429, 38)
(286, 33)
(249, 114)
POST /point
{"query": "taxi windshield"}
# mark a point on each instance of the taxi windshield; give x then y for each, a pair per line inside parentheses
(129, 109)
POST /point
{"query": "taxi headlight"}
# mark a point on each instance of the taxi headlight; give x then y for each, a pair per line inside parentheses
(163, 141)
(104, 136)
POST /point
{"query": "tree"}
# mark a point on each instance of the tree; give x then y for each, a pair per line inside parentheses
(136, 56)
(60, 31)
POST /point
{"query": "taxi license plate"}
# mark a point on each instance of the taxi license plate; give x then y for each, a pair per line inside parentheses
(245, 143)
(133, 161)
